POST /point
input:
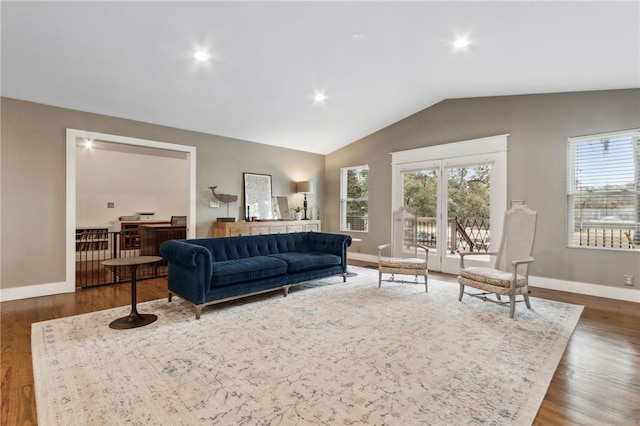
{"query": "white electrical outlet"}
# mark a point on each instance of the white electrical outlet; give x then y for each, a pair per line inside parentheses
(214, 204)
(628, 280)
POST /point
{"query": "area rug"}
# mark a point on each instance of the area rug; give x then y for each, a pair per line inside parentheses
(329, 353)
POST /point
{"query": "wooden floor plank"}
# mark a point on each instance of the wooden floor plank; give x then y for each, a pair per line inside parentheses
(597, 381)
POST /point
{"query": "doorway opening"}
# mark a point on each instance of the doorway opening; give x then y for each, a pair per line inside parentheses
(124, 144)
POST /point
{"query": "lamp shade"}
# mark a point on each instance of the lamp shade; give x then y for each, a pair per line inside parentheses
(304, 186)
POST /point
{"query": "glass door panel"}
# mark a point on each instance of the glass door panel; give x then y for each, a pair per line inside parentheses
(468, 224)
(420, 194)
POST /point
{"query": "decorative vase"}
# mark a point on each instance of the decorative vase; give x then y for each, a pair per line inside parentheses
(298, 215)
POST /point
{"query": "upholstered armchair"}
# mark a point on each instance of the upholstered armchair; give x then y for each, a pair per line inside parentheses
(404, 248)
(509, 275)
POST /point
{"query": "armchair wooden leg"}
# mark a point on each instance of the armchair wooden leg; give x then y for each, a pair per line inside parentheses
(526, 300)
(512, 305)
(379, 279)
(461, 292)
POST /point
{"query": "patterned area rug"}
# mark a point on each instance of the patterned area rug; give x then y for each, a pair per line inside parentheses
(329, 353)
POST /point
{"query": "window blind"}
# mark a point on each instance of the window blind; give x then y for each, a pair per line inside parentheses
(603, 190)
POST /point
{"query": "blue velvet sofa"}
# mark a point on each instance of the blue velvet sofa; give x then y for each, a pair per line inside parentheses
(205, 271)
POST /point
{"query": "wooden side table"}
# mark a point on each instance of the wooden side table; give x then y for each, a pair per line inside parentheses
(134, 319)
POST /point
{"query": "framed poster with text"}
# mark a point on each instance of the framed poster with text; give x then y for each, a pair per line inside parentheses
(257, 196)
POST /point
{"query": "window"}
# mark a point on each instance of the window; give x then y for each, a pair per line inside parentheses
(603, 191)
(354, 198)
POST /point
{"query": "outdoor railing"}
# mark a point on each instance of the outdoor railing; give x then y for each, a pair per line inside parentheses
(607, 235)
(467, 235)
(357, 223)
(474, 235)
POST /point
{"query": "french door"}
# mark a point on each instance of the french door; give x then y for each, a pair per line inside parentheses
(459, 199)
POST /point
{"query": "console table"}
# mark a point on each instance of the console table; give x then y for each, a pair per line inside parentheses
(230, 229)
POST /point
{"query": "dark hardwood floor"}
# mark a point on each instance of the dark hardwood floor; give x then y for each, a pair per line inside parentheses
(596, 383)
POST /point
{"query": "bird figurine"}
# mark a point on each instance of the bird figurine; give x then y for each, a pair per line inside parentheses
(225, 198)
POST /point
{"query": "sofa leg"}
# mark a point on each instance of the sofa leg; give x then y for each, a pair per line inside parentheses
(170, 296)
(285, 290)
(198, 311)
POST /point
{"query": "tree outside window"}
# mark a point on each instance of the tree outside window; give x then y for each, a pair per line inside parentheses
(468, 192)
(354, 205)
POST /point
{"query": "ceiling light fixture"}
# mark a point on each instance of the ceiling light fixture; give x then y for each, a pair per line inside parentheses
(201, 56)
(460, 43)
(88, 143)
(319, 98)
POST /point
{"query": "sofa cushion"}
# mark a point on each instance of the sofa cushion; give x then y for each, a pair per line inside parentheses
(305, 261)
(241, 270)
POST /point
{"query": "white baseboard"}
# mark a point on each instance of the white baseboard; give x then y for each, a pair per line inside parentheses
(363, 257)
(598, 290)
(37, 290)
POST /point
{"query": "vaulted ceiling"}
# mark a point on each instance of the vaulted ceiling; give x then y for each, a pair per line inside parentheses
(375, 62)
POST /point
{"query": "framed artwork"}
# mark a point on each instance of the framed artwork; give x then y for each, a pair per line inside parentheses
(257, 196)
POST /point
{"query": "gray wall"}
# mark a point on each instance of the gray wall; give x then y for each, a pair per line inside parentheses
(539, 126)
(33, 179)
(33, 205)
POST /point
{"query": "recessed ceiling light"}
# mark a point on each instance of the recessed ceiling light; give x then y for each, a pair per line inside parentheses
(461, 42)
(357, 36)
(88, 143)
(319, 98)
(201, 56)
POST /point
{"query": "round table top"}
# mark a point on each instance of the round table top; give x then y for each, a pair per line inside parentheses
(134, 260)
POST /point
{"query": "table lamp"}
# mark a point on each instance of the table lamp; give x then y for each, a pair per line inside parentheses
(305, 187)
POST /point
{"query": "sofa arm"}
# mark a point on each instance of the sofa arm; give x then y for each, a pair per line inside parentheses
(184, 253)
(189, 269)
(332, 243)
